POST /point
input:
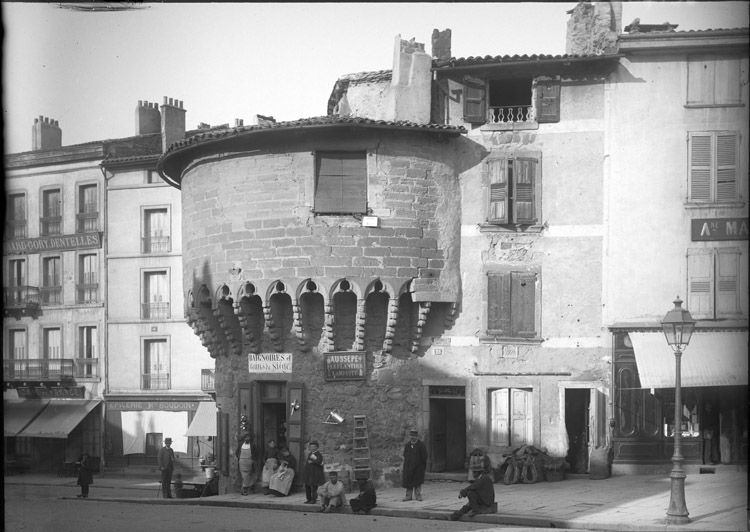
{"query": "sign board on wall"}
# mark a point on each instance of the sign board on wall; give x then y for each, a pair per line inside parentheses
(269, 362)
(40, 392)
(702, 229)
(52, 243)
(345, 366)
(177, 406)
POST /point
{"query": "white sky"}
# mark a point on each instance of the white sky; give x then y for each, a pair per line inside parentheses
(225, 61)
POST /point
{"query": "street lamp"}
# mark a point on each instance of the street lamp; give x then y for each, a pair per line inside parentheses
(678, 326)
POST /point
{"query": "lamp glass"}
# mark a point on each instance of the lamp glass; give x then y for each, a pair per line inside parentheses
(678, 325)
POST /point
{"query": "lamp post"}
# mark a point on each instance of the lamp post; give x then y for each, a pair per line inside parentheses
(678, 326)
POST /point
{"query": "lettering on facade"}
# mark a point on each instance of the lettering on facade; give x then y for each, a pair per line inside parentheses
(40, 392)
(345, 366)
(52, 243)
(269, 362)
(177, 406)
(703, 229)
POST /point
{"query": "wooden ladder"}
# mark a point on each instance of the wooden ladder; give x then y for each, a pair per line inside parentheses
(361, 456)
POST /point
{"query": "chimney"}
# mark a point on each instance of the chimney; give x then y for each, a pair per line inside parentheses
(441, 44)
(147, 118)
(594, 28)
(409, 96)
(261, 120)
(45, 134)
(172, 122)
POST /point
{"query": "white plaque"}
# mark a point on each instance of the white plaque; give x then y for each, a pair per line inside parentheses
(269, 362)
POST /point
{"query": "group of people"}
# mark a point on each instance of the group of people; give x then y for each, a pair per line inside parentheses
(277, 474)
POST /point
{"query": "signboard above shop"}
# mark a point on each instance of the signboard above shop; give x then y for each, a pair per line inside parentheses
(269, 362)
(703, 229)
(345, 366)
(21, 246)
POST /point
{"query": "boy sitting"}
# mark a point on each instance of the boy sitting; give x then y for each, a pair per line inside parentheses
(332, 493)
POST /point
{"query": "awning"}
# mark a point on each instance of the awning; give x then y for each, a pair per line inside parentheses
(711, 359)
(18, 413)
(59, 418)
(204, 421)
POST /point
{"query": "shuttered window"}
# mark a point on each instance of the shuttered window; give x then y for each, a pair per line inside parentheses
(514, 190)
(511, 417)
(475, 100)
(341, 183)
(714, 80)
(714, 283)
(509, 101)
(511, 304)
(713, 169)
(548, 101)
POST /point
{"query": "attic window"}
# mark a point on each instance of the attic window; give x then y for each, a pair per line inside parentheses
(511, 100)
(341, 182)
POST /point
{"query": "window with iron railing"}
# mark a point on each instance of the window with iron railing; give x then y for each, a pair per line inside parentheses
(15, 217)
(87, 288)
(51, 290)
(87, 216)
(86, 364)
(51, 219)
(156, 310)
(511, 101)
(21, 296)
(38, 369)
(155, 372)
(155, 302)
(156, 231)
(208, 380)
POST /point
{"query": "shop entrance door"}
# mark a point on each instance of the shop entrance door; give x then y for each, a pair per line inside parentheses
(577, 402)
(447, 446)
(272, 414)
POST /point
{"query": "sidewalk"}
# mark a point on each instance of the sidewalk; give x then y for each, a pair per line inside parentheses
(716, 502)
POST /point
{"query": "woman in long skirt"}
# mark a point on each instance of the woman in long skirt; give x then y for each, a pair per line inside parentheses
(246, 454)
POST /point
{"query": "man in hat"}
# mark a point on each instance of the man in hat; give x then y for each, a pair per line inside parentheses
(165, 461)
(415, 464)
(481, 495)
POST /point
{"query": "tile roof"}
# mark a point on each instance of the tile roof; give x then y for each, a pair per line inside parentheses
(510, 59)
(318, 121)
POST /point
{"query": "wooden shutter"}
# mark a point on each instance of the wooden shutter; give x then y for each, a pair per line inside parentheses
(522, 300)
(341, 183)
(727, 85)
(475, 100)
(524, 185)
(295, 409)
(498, 304)
(700, 166)
(520, 429)
(726, 167)
(499, 417)
(700, 80)
(548, 100)
(497, 171)
(700, 285)
(727, 283)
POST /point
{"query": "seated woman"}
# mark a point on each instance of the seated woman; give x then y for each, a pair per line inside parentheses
(281, 482)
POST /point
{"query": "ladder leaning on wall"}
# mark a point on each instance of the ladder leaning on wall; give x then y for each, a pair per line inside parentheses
(361, 456)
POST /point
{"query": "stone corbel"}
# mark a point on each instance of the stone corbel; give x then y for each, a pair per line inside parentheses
(329, 321)
(390, 329)
(424, 310)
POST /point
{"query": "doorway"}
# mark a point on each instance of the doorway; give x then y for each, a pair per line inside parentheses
(577, 404)
(448, 434)
(272, 414)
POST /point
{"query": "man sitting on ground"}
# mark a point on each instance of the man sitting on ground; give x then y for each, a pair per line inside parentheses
(366, 500)
(481, 495)
(332, 493)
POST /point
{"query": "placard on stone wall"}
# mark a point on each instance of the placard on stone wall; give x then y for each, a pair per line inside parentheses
(345, 366)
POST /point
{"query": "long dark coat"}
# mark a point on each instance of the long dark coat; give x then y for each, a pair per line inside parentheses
(85, 476)
(312, 471)
(415, 464)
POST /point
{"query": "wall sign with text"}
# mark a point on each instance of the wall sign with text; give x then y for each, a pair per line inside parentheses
(702, 229)
(345, 366)
(269, 362)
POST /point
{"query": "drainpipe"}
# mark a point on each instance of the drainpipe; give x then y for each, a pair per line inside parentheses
(105, 328)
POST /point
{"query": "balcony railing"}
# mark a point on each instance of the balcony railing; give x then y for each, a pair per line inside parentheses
(38, 369)
(87, 293)
(15, 229)
(155, 381)
(511, 114)
(22, 296)
(51, 225)
(86, 368)
(207, 380)
(156, 244)
(51, 295)
(155, 311)
(87, 222)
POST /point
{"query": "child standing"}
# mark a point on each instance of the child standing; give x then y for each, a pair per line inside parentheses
(312, 473)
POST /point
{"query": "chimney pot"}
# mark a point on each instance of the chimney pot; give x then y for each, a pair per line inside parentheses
(172, 122)
(45, 134)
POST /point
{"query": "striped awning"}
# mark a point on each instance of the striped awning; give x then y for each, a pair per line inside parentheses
(711, 359)
(204, 420)
(18, 413)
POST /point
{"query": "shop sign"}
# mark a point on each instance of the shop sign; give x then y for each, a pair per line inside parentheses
(52, 243)
(345, 366)
(703, 229)
(55, 392)
(269, 362)
(177, 406)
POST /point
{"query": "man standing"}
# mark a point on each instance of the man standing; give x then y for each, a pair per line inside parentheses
(481, 495)
(165, 461)
(415, 463)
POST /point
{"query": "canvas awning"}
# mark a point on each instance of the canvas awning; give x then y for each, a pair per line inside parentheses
(59, 418)
(711, 359)
(18, 413)
(204, 421)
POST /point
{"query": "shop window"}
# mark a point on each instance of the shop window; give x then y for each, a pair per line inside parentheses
(715, 283)
(512, 304)
(341, 183)
(714, 80)
(713, 166)
(51, 291)
(155, 369)
(511, 101)
(51, 220)
(87, 215)
(511, 417)
(15, 216)
(513, 190)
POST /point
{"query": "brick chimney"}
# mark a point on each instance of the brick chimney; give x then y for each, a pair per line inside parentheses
(441, 44)
(45, 134)
(409, 96)
(593, 28)
(172, 122)
(147, 118)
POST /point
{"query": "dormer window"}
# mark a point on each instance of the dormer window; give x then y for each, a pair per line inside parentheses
(511, 101)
